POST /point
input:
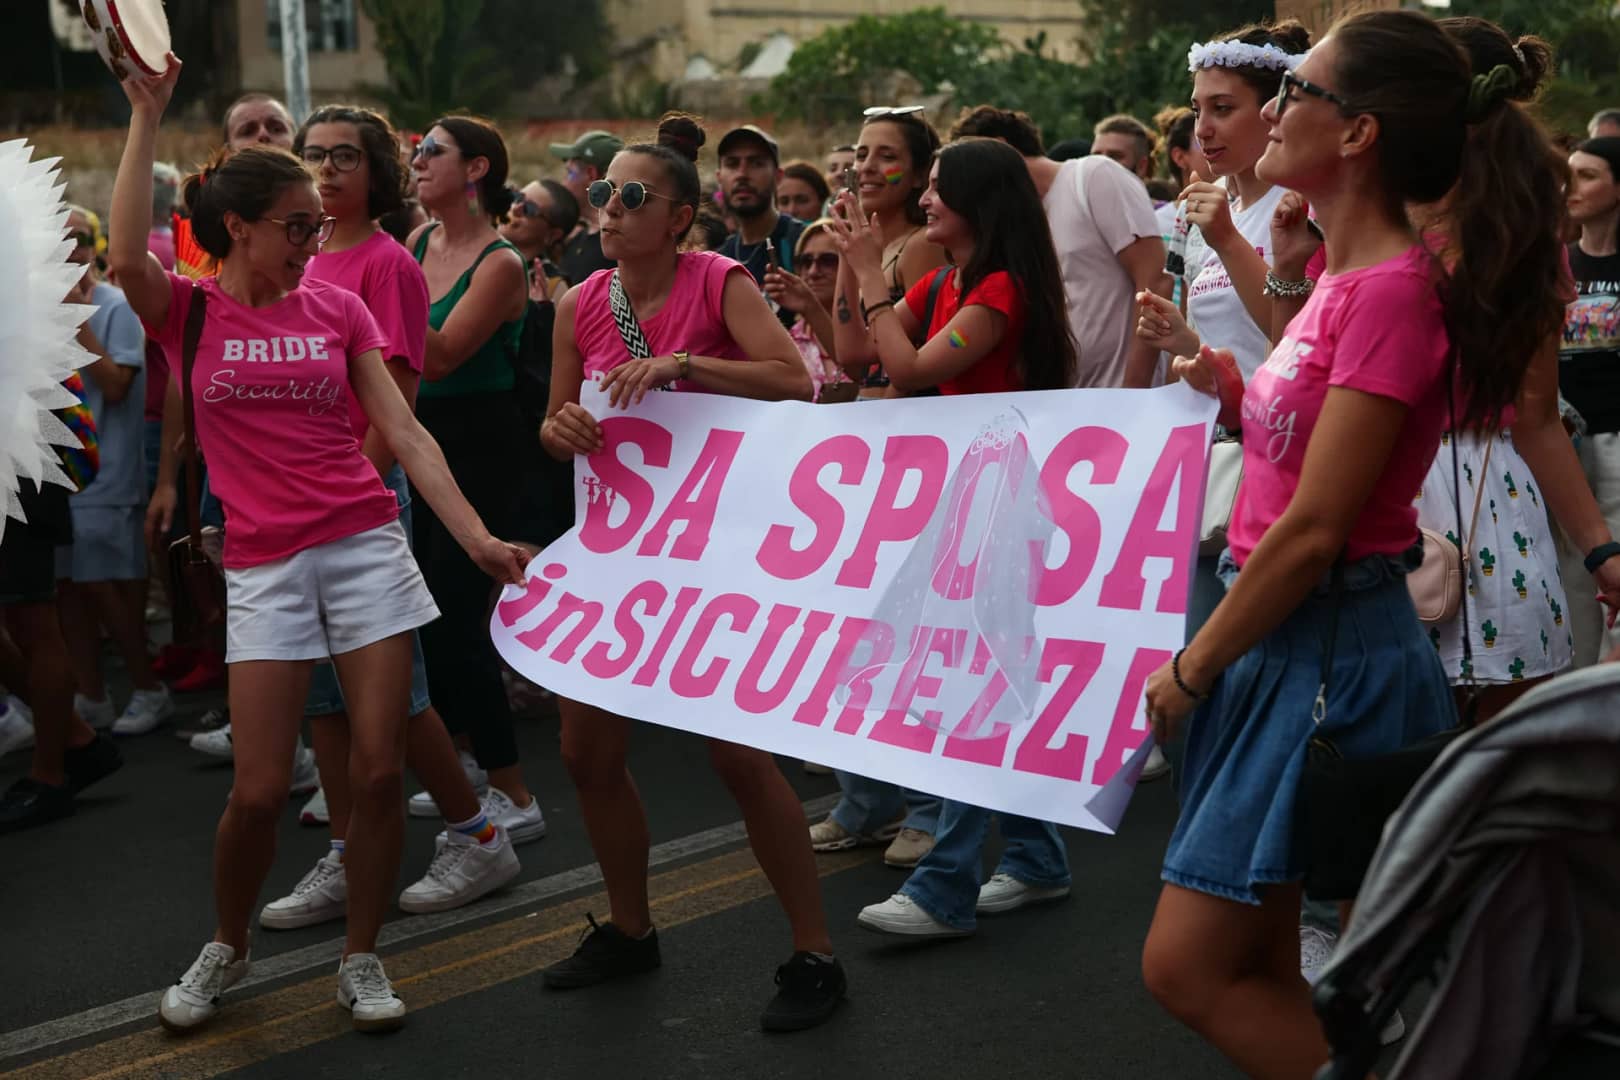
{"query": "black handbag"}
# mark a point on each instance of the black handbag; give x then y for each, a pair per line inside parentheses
(1342, 804)
(196, 579)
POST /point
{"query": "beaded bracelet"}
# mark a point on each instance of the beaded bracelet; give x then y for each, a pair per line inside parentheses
(1175, 673)
(1282, 289)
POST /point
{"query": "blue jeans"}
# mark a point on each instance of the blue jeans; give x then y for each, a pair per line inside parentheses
(325, 695)
(946, 883)
(867, 805)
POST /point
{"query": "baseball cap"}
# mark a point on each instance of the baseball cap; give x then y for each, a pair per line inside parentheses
(756, 134)
(595, 147)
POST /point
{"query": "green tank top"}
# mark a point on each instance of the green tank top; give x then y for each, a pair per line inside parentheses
(488, 370)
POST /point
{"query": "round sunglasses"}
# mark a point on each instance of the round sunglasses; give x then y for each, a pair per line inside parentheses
(632, 196)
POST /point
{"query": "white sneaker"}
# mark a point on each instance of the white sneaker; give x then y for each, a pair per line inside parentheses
(422, 805)
(193, 1000)
(1316, 947)
(1157, 766)
(215, 744)
(1394, 1031)
(16, 726)
(98, 714)
(523, 825)
(461, 872)
(146, 710)
(320, 896)
(364, 989)
(899, 914)
(1004, 893)
(306, 779)
(314, 811)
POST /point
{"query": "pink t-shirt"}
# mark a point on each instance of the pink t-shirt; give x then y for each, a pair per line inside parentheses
(692, 319)
(382, 273)
(271, 391)
(1379, 330)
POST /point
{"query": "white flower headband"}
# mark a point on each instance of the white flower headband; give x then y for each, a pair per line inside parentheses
(1234, 54)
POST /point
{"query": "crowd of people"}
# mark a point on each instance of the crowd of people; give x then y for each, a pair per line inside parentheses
(1399, 287)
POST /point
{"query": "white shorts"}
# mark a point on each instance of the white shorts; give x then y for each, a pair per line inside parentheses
(326, 600)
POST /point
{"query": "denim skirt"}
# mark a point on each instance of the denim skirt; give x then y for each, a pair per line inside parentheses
(1246, 744)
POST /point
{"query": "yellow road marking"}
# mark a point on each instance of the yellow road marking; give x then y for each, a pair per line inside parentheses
(281, 1021)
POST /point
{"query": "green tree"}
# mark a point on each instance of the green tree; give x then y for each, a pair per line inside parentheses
(443, 55)
(835, 74)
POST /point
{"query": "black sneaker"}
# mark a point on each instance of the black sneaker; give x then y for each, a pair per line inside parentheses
(29, 802)
(809, 992)
(606, 952)
(95, 760)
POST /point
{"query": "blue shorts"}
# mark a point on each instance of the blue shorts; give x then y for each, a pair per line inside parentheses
(1246, 745)
(325, 695)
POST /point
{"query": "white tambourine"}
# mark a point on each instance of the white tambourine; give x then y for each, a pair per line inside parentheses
(132, 36)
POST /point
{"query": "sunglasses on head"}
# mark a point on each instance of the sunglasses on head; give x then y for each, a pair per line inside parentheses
(345, 158)
(632, 195)
(299, 230)
(1290, 80)
(892, 110)
(825, 260)
(429, 147)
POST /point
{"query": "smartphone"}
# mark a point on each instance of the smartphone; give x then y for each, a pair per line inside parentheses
(849, 178)
(770, 255)
(1316, 230)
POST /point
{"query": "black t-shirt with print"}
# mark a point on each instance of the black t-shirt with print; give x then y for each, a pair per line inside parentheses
(583, 257)
(1589, 361)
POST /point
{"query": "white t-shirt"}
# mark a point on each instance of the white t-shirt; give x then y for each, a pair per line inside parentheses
(1214, 309)
(1098, 208)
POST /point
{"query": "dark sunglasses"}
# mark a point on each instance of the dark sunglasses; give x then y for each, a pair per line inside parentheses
(522, 207)
(877, 111)
(429, 147)
(1290, 80)
(299, 230)
(826, 260)
(632, 196)
(345, 158)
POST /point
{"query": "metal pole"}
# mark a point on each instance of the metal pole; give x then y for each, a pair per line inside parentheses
(295, 58)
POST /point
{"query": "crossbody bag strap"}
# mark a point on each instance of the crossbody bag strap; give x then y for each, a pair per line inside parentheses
(188, 359)
(1331, 641)
(1479, 493)
(1471, 704)
(625, 317)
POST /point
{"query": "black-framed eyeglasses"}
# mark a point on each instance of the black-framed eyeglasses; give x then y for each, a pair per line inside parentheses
(1289, 79)
(632, 194)
(878, 111)
(825, 260)
(429, 147)
(345, 158)
(299, 230)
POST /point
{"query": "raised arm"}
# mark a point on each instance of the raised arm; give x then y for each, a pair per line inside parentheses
(495, 296)
(139, 274)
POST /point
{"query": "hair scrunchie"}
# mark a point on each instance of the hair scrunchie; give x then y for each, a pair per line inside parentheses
(1488, 91)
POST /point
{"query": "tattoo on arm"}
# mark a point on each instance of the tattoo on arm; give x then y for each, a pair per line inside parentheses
(843, 307)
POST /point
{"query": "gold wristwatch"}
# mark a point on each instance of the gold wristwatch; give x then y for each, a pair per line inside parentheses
(682, 362)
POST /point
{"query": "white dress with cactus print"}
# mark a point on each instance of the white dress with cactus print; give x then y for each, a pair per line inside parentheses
(1515, 601)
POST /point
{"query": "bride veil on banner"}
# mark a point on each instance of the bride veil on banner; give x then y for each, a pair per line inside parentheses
(963, 595)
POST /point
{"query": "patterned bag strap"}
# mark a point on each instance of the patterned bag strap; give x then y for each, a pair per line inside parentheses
(629, 327)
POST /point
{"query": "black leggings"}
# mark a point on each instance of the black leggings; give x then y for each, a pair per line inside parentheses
(483, 439)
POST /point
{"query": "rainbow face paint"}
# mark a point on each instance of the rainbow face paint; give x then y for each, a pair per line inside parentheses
(958, 339)
(893, 176)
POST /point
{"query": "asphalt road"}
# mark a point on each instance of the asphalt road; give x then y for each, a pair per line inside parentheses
(104, 909)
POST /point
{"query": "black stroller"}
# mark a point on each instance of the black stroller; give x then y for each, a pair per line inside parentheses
(1498, 884)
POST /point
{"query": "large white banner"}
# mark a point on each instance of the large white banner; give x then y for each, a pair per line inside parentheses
(962, 595)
